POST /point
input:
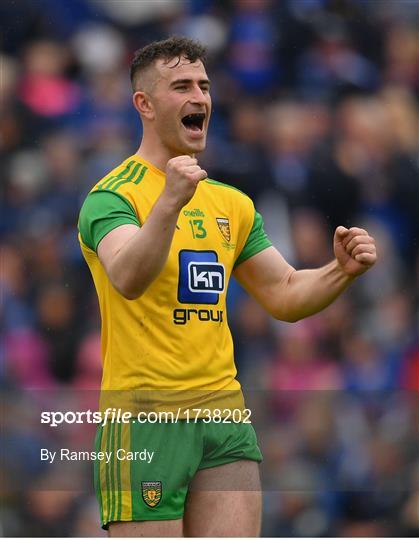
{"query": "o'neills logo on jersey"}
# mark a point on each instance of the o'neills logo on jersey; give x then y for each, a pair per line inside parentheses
(196, 212)
(224, 226)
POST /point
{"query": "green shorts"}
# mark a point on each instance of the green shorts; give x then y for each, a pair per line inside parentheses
(142, 471)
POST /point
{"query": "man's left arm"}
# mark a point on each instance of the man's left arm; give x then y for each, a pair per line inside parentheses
(289, 294)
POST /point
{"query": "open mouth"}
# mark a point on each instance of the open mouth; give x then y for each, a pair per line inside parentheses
(194, 122)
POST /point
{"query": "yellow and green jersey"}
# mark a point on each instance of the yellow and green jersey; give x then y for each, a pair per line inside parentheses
(176, 335)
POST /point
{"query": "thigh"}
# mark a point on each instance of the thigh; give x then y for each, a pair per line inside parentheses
(150, 529)
(225, 501)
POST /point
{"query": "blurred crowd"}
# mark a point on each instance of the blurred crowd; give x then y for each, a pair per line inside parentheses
(315, 116)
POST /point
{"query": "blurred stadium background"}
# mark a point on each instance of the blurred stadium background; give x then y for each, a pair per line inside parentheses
(316, 118)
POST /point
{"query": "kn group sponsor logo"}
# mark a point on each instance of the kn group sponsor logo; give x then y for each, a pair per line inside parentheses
(201, 277)
(205, 277)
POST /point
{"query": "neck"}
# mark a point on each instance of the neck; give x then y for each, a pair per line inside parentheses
(156, 154)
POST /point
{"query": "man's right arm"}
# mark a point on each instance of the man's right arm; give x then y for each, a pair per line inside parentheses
(134, 256)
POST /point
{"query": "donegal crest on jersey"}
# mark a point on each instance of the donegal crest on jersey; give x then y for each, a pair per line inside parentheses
(151, 492)
(224, 226)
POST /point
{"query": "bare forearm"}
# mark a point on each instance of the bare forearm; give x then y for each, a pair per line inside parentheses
(291, 295)
(139, 261)
(309, 291)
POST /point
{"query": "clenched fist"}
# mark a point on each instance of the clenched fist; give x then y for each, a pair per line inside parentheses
(354, 250)
(182, 177)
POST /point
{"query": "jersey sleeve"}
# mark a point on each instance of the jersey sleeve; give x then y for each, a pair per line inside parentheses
(103, 211)
(256, 241)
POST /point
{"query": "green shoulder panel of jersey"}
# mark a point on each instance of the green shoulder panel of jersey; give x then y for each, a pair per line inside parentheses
(256, 242)
(103, 211)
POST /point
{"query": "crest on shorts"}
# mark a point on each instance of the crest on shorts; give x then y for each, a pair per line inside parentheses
(151, 492)
(224, 226)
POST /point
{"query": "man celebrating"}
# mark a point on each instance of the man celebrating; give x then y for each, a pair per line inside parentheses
(161, 240)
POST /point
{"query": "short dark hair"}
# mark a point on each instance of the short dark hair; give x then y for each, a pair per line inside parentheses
(166, 49)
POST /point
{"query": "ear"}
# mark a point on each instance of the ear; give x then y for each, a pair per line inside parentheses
(142, 103)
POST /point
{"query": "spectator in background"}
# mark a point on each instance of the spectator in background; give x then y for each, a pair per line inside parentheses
(331, 66)
(298, 365)
(290, 144)
(249, 170)
(251, 58)
(48, 96)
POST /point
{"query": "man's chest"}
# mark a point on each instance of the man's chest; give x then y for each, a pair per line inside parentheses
(207, 226)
